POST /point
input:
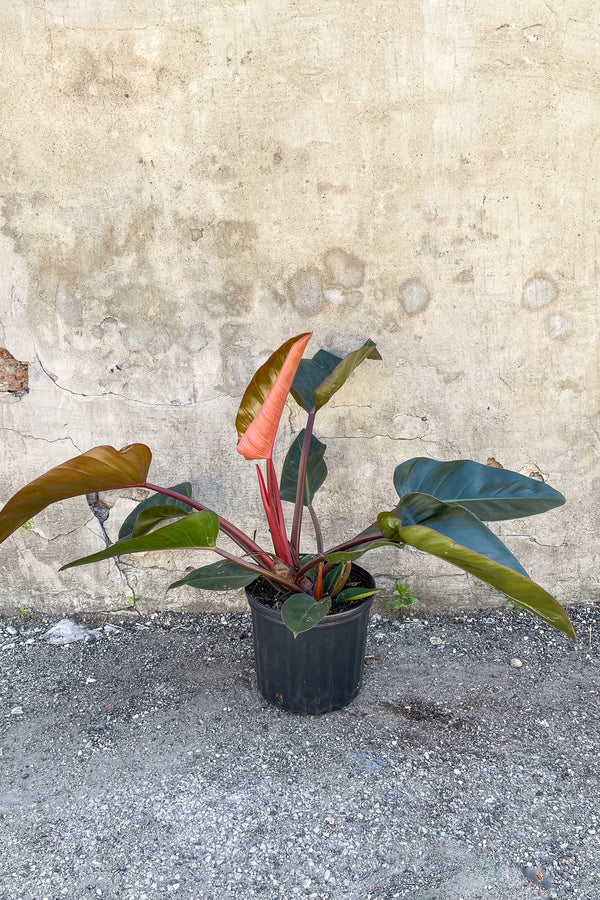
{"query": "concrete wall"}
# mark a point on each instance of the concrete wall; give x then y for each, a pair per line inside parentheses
(185, 184)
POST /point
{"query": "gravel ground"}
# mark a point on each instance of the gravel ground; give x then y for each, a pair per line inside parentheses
(141, 763)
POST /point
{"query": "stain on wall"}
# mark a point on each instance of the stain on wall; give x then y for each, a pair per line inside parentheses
(539, 291)
(415, 296)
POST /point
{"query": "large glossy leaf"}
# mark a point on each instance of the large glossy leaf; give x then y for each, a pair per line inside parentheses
(457, 523)
(263, 402)
(316, 471)
(300, 612)
(219, 576)
(514, 584)
(318, 379)
(155, 500)
(196, 531)
(491, 494)
(100, 469)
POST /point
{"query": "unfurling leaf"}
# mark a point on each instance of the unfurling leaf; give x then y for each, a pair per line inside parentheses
(264, 400)
(337, 578)
(100, 469)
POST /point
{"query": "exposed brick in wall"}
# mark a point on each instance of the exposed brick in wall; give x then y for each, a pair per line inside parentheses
(14, 375)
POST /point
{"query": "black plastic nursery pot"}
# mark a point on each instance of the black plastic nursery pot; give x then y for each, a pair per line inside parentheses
(320, 670)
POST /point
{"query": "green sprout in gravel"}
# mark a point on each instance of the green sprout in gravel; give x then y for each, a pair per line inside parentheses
(404, 597)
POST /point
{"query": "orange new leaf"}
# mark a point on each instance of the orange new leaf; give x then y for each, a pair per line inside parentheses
(263, 402)
(100, 469)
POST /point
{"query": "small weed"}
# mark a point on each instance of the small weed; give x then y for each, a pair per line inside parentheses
(25, 615)
(512, 604)
(27, 526)
(132, 600)
(404, 597)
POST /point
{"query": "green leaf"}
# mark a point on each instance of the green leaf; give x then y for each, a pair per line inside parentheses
(510, 582)
(316, 472)
(196, 531)
(127, 528)
(100, 469)
(318, 379)
(219, 576)
(491, 494)
(458, 524)
(149, 518)
(300, 612)
(356, 594)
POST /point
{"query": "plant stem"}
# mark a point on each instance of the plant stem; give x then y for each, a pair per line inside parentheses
(237, 536)
(266, 573)
(341, 548)
(280, 543)
(301, 484)
(274, 495)
(317, 527)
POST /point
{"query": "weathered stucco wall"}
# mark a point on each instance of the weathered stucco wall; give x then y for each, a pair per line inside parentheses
(184, 185)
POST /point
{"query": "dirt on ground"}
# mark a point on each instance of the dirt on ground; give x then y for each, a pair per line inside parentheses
(138, 761)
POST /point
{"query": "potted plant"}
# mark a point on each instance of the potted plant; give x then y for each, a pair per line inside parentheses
(309, 610)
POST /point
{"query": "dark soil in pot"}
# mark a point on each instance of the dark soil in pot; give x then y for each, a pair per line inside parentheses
(320, 670)
(274, 595)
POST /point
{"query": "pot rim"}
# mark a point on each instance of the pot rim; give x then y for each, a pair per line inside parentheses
(327, 621)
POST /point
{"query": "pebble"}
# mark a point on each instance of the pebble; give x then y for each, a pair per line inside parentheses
(16, 711)
(10, 629)
(436, 641)
(516, 663)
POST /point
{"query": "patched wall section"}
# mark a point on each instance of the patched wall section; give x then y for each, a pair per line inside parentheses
(184, 186)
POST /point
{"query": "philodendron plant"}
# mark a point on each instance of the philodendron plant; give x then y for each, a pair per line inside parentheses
(441, 510)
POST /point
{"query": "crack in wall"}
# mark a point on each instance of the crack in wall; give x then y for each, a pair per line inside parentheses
(174, 404)
(101, 513)
(62, 534)
(368, 437)
(35, 437)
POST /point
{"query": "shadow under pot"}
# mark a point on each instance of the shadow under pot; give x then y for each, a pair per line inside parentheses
(320, 670)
